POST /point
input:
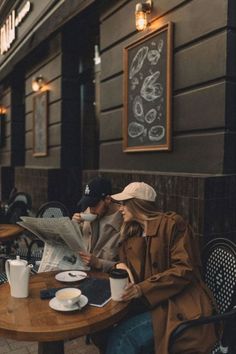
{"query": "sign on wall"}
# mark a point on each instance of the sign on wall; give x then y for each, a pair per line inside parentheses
(8, 28)
(40, 124)
(147, 87)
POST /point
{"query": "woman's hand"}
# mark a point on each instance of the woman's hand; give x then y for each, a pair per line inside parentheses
(124, 266)
(90, 259)
(76, 217)
(132, 291)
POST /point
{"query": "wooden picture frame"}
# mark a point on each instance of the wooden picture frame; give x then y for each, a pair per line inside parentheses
(147, 91)
(40, 124)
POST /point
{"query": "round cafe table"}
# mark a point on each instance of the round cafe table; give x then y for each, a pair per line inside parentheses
(31, 319)
(8, 233)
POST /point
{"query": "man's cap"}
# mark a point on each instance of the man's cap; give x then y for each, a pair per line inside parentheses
(138, 190)
(94, 191)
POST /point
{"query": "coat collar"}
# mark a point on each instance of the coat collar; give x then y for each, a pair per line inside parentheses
(153, 225)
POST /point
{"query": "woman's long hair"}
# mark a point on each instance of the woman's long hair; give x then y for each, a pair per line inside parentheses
(141, 210)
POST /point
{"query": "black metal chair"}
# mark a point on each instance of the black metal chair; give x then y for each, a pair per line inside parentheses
(219, 272)
(52, 209)
(19, 204)
(20, 197)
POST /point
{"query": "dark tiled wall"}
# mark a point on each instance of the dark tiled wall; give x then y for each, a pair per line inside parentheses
(207, 202)
(49, 184)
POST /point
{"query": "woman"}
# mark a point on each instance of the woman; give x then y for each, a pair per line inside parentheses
(161, 252)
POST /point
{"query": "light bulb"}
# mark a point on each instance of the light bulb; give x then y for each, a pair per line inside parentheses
(37, 83)
(141, 20)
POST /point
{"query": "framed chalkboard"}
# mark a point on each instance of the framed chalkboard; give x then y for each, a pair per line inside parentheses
(147, 90)
(40, 124)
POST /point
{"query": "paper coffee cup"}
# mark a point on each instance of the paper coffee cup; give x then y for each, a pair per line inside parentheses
(88, 216)
(118, 281)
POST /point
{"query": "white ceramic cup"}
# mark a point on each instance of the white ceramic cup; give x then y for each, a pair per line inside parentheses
(88, 216)
(118, 281)
(68, 296)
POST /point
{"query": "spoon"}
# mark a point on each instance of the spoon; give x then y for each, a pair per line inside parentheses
(76, 276)
(72, 275)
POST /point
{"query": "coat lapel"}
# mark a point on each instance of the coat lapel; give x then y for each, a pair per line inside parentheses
(153, 226)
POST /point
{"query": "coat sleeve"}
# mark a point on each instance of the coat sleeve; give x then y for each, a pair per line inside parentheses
(106, 248)
(180, 272)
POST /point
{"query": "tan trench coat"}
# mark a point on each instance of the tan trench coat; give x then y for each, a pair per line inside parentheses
(166, 265)
(105, 244)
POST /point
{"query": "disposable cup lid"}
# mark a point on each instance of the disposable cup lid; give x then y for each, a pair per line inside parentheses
(118, 273)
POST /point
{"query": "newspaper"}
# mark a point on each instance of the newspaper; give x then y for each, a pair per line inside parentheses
(63, 240)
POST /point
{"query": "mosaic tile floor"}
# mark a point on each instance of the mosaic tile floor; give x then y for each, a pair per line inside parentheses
(75, 346)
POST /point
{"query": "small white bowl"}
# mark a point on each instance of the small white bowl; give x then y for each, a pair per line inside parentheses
(88, 216)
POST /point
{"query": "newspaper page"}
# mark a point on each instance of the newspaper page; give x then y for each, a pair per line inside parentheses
(63, 239)
(60, 257)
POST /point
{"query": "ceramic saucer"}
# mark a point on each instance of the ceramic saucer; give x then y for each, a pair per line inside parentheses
(56, 305)
(71, 276)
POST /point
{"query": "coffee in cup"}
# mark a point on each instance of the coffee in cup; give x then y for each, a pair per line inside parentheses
(68, 296)
(118, 281)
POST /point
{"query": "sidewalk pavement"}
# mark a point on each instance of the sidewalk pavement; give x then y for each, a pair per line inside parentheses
(75, 346)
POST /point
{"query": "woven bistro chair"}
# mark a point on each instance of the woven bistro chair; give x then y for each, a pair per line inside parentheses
(19, 204)
(52, 209)
(219, 272)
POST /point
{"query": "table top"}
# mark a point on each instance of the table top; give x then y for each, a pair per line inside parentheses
(32, 319)
(9, 231)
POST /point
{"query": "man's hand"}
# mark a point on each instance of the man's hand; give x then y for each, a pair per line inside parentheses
(76, 217)
(124, 266)
(90, 259)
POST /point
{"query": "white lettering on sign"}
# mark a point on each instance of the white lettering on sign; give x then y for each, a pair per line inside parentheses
(8, 29)
(23, 12)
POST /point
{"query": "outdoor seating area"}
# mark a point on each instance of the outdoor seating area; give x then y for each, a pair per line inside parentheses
(219, 273)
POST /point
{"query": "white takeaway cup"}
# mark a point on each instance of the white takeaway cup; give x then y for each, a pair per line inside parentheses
(119, 278)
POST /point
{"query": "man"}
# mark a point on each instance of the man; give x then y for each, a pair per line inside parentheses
(101, 236)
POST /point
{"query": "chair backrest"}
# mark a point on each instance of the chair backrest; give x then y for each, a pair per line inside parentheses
(219, 272)
(15, 211)
(52, 209)
(21, 197)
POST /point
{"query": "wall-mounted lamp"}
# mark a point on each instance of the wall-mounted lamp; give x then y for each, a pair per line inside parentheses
(142, 9)
(2, 110)
(38, 83)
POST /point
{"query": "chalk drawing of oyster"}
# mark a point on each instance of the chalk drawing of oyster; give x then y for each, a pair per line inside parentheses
(153, 56)
(138, 109)
(160, 45)
(156, 133)
(134, 82)
(151, 89)
(135, 129)
(137, 62)
(151, 116)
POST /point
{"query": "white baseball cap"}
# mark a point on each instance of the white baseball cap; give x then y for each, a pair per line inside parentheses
(138, 190)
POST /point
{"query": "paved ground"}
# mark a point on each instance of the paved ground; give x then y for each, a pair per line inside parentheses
(76, 346)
